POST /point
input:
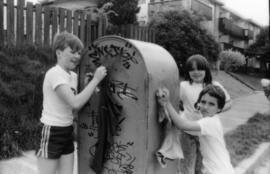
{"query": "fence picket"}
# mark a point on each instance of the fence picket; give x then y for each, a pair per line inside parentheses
(62, 19)
(131, 31)
(153, 36)
(10, 22)
(1, 22)
(82, 27)
(143, 33)
(29, 22)
(88, 30)
(69, 21)
(38, 26)
(100, 26)
(135, 32)
(54, 22)
(76, 23)
(104, 25)
(46, 32)
(94, 32)
(20, 22)
(140, 33)
(147, 35)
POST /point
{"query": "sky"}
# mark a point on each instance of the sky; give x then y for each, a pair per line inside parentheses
(257, 10)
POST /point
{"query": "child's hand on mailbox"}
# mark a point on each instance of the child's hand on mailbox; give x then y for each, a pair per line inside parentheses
(163, 96)
(100, 73)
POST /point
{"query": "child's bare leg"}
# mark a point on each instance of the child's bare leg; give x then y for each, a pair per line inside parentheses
(187, 165)
(47, 166)
(66, 164)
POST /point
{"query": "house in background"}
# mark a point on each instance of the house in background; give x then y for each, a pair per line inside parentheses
(236, 32)
(229, 29)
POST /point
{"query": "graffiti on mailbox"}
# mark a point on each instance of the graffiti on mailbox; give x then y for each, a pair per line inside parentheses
(121, 158)
(122, 90)
(92, 126)
(126, 53)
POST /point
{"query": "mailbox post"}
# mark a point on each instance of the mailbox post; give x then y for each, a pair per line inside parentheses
(136, 70)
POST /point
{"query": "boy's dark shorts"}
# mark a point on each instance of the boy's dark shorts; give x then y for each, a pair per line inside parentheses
(55, 141)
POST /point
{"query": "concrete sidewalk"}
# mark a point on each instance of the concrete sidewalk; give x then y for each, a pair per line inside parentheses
(243, 108)
(26, 164)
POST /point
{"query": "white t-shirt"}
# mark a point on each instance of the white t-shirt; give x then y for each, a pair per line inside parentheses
(189, 94)
(55, 111)
(216, 159)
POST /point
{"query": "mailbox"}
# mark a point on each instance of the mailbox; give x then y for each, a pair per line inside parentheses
(136, 70)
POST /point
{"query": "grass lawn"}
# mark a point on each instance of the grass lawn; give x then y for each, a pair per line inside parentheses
(243, 141)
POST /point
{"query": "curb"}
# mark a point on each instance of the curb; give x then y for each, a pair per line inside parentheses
(240, 80)
(248, 166)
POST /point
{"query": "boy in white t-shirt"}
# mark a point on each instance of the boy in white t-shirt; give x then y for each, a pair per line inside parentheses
(60, 100)
(216, 159)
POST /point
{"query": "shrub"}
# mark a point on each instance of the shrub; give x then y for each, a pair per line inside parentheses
(21, 77)
(231, 60)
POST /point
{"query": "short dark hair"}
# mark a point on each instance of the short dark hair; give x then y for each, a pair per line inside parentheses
(213, 91)
(65, 39)
(202, 64)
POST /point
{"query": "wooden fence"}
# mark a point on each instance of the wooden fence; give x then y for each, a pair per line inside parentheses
(26, 23)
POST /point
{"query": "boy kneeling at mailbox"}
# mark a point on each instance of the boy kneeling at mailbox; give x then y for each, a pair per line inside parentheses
(216, 159)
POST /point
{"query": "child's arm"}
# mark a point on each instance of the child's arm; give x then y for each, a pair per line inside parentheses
(77, 101)
(181, 123)
(163, 99)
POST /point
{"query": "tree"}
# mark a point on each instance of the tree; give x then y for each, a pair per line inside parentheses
(126, 11)
(181, 35)
(261, 48)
